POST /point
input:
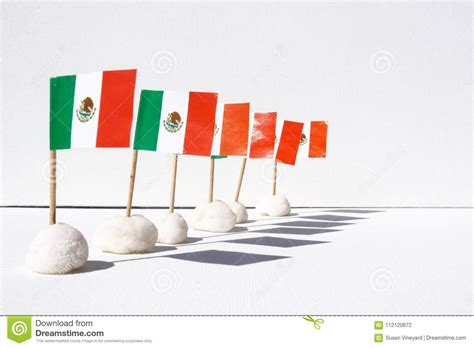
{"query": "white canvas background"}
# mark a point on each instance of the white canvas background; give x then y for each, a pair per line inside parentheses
(394, 81)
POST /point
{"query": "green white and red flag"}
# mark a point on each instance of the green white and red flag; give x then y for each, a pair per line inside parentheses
(262, 142)
(92, 109)
(313, 140)
(288, 141)
(231, 132)
(176, 122)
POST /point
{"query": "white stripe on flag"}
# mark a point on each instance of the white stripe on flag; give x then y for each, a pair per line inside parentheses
(84, 134)
(169, 141)
(278, 129)
(216, 143)
(303, 150)
(251, 123)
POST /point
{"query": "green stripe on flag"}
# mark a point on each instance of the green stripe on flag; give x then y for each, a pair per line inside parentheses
(218, 157)
(148, 120)
(61, 108)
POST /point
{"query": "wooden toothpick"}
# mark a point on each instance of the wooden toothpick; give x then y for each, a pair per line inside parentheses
(241, 177)
(52, 187)
(131, 186)
(211, 182)
(174, 170)
(274, 188)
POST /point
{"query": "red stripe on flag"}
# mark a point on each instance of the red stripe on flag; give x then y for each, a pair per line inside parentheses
(200, 123)
(116, 108)
(263, 135)
(318, 139)
(235, 130)
(289, 142)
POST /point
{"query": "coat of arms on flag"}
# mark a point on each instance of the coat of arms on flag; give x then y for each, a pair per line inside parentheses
(303, 139)
(173, 122)
(86, 111)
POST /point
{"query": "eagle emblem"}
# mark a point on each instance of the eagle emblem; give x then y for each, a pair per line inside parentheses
(303, 139)
(86, 111)
(173, 122)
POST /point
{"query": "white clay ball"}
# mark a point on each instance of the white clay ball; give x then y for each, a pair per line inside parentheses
(172, 229)
(126, 235)
(274, 205)
(214, 217)
(240, 212)
(57, 249)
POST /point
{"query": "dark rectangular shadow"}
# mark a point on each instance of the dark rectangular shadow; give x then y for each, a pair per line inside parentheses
(296, 230)
(360, 211)
(274, 242)
(229, 258)
(191, 240)
(321, 224)
(331, 217)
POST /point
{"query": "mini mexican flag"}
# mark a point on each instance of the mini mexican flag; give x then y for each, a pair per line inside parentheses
(176, 122)
(231, 131)
(288, 142)
(91, 110)
(313, 139)
(263, 135)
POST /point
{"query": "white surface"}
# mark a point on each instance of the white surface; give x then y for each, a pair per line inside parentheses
(398, 261)
(393, 80)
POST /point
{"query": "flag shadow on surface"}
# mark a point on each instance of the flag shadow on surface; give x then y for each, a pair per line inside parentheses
(92, 266)
(228, 258)
(233, 258)
(353, 211)
(192, 240)
(329, 217)
(161, 248)
(306, 223)
(297, 230)
(275, 242)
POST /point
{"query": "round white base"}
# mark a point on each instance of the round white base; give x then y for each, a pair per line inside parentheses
(172, 229)
(214, 217)
(57, 249)
(126, 235)
(240, 212)
(274, 205)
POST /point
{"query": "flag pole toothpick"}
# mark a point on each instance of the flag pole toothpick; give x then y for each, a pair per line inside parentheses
(211, 182)
(133, 170)
(173, 182)
(241, 177)
(52, 187)
(274, 180)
